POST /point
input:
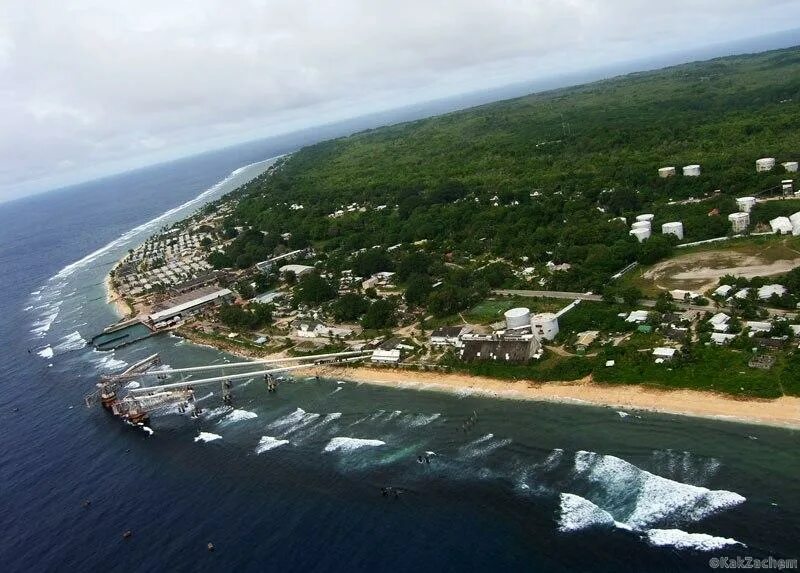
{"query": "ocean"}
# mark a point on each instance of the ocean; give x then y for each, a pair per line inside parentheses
(293, 480)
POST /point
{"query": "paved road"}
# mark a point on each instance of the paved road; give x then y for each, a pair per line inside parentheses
(642, 302)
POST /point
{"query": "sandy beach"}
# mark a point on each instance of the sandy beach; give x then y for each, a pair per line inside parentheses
(782, 412)
(113, 298)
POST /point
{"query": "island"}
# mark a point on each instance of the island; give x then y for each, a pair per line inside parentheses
(633, 242)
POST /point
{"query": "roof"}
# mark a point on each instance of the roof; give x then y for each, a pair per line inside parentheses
(767, 291)
(719, 318)
(296, 269)
(664, 352)
(723, 290)
(192, 303)
(510, 350)
(637, 316)
(447, 332)
(721, 338)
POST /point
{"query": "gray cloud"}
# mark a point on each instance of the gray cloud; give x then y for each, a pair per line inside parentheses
(92, 83)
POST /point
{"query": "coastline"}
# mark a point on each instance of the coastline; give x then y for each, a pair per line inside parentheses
(782, 412)
(113, 298)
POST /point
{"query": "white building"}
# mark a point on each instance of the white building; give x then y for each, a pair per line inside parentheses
(790, 166)
(664, 354)
(298, 270)
(765, 292)
(723, 290)
(637, 316)
(447, 336)
(691, 171)
(720, 338)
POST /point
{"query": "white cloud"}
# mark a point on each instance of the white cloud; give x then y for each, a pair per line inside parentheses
(90, 81)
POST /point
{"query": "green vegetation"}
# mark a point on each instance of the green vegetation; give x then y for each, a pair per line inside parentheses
(253, 317)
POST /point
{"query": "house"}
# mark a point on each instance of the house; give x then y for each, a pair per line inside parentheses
(664, 354)
(719, 322)
(447, 335)
(314, 329)
(637, 316)
(683, 295)
(766, 291)
(721, 339)
(298, 270)
(755, 326)
(723, 290)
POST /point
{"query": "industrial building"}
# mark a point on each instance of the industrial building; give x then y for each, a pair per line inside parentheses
(447, 336)
(504, 348)
(191, 303)
(298, 270)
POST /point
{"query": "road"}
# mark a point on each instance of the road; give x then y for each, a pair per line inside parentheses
(649, 303)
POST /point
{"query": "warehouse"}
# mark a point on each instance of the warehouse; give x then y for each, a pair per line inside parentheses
(189, 304)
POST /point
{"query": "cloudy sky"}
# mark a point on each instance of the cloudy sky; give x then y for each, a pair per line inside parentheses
(92, 86)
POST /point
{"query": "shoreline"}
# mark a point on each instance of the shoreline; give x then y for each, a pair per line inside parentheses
(114, 299)
(781, 412)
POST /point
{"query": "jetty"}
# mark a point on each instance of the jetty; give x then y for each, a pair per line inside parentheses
(128, 396)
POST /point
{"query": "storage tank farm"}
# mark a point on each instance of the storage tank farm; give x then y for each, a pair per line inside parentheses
(545, 325)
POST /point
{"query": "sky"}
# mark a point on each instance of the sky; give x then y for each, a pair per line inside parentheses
(89, 87)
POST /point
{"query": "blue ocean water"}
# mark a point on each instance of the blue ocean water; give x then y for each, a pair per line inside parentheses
(292, 481)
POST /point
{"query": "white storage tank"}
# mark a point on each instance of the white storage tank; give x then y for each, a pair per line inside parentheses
(790, 166)
(641, 225)
(673, 228)
(645, 217)
(745, 204)
(641, 234)
(781, 225)
(739, 221)
(545, 325)
(765, 164)
(518, 318)
(665, 172)
(691, 171)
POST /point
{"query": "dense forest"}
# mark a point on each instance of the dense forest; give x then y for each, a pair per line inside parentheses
(535, 179)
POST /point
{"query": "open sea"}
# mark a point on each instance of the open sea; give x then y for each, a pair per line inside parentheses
(292, 481)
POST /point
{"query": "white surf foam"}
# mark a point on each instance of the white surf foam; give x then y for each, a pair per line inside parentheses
(72, 341)
(237, 416)
(641, 499)
(207, 437)
(484, 446)
(132, 385)
(342, 444)
(107, 362)
(148, 430)
(578, 513)
(46, 352)
(267, 443)
(416, 420)
(622, 414)
(683, 540)
(294, 421)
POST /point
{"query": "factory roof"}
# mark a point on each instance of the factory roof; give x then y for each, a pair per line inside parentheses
(190, 303)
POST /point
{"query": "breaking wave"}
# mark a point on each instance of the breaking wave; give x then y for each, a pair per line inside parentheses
(683, 540)
(46, 352)
(294, 421)
(643, 500)
(207, 437)
(416, 420)
(578, 513)
(73, 341)
(484, 446)
(350, 444)
(267, 443)
(237, 416)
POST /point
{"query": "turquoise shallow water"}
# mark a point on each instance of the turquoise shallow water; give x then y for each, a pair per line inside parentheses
(293, 480)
